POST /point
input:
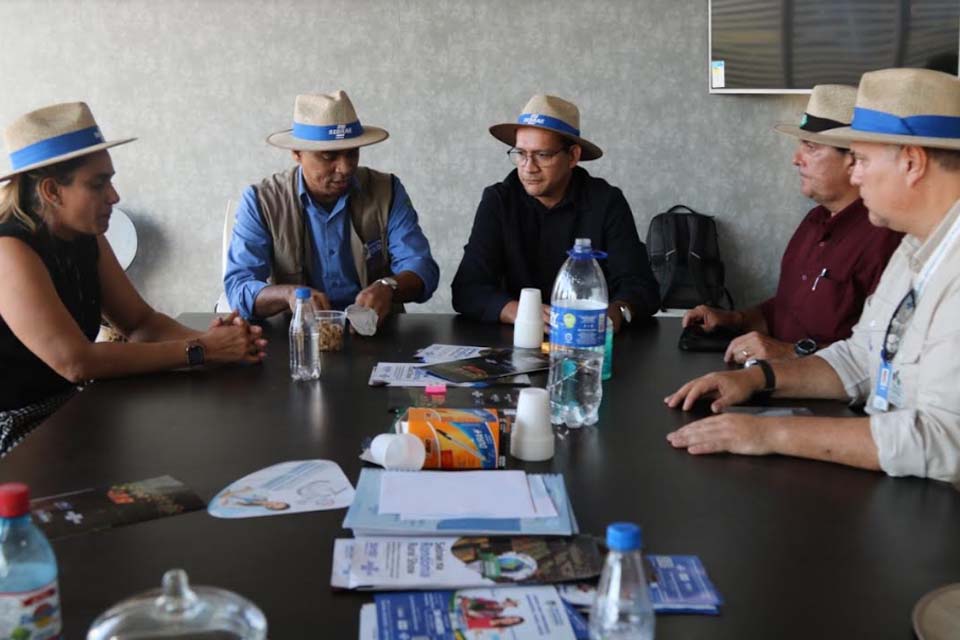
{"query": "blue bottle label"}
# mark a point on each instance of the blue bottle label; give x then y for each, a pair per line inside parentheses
(580, 328)
(31, 614)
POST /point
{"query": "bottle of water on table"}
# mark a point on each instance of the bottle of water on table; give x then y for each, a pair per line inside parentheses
(29, 596)
(578, 320)
(622, 606)
(304, 339)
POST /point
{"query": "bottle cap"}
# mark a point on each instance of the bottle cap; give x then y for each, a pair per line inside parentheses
(623, 536)
(302, 293)
(14, 500)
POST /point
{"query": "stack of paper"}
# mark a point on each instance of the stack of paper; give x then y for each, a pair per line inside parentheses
(462, 503)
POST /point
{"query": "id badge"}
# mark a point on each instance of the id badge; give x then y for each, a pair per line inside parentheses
(881, 392)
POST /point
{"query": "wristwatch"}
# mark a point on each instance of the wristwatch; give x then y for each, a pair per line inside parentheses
(625, 312)
(195, 353)
(389, 282)
(769, 379)
(805, 347)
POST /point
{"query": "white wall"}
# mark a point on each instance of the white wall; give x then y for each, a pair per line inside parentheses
(202, 83)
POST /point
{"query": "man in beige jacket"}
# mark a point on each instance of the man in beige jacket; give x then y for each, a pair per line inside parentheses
(903, 359)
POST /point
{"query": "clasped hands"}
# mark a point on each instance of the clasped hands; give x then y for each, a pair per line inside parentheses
(233, 339)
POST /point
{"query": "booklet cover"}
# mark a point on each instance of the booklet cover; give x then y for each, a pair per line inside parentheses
(495, 364)
(459, 438)
(116, 505)
(365, 519)
(438, 563)
(517, 613)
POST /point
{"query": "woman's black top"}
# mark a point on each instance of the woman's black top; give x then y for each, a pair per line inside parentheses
(25, 378)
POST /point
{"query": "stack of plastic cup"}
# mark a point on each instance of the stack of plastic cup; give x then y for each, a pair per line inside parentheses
(532, 436)
(528, 327)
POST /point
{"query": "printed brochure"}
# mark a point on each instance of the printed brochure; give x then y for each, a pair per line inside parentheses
(444, 563)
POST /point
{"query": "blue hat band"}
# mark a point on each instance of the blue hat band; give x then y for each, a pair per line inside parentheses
(56, 146)
(540, 120)
(327, 132)
(869, 120)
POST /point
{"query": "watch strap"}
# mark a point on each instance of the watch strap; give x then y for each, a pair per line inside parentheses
(769, 379)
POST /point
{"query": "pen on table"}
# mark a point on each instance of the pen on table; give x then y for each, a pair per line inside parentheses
(823, 274)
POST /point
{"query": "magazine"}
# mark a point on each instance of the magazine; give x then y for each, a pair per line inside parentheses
(116, 505)
(495, 364)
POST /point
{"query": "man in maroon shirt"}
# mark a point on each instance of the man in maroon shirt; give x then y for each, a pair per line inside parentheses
(834, 259)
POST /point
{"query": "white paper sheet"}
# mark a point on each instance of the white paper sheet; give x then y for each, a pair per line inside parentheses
(436, 495)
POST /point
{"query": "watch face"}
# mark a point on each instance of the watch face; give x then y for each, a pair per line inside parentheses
(390, 282)
(195, 355)
(805, 347)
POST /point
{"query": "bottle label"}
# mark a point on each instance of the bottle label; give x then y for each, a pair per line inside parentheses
(581, 328)
(31, 614)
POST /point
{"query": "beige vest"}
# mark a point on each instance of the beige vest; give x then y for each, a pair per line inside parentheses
(282, 215)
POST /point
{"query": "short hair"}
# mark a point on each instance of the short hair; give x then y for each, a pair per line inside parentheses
(948, 159)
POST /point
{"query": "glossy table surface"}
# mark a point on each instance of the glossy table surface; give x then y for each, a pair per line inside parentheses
(798, 549)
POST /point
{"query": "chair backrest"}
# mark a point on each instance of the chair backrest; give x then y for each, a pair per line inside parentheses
(122, 236)
(222, 305)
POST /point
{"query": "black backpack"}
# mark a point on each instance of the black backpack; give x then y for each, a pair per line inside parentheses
(685, 258)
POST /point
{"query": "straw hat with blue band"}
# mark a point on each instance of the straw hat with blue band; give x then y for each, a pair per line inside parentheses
(830, 107)
(51, 135)
(905, 106)
(326, 122)
(552, 114)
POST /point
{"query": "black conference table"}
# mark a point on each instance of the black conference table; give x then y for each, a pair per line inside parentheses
(798, 549)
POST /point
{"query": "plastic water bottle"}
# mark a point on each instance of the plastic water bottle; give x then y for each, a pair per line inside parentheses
(304, 339)
(578, 319)
(622, 606)
(29, 596)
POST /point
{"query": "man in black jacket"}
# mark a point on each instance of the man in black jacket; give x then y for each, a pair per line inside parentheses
(526, 224)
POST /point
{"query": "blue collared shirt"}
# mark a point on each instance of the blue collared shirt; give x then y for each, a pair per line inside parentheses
(333, 270)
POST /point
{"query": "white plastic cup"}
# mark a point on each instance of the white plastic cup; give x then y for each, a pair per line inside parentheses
(398, 452)
(532, 436)
(528, 327)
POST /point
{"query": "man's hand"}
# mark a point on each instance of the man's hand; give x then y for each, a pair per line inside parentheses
(319, 299)
(726, 387)
(378, 297)
(508, 315)
(710, 318)
(757, 345)
(733, 432)
(615, 315)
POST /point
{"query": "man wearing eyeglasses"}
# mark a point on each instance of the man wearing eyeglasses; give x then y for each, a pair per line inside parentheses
(903, 359)
(525, 225)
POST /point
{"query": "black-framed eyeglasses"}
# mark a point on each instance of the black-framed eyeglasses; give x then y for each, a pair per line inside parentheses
(898, 324)
(520, 157)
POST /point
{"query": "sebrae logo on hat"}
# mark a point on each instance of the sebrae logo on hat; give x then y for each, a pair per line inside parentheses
(534, 118)
(340, 131)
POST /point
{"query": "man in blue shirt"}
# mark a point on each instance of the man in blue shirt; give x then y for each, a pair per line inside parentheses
(347, 232)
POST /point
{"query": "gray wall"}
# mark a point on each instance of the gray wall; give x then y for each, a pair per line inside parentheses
(202, 83)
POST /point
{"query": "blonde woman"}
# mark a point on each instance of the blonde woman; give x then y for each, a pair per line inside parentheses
(60, 276)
